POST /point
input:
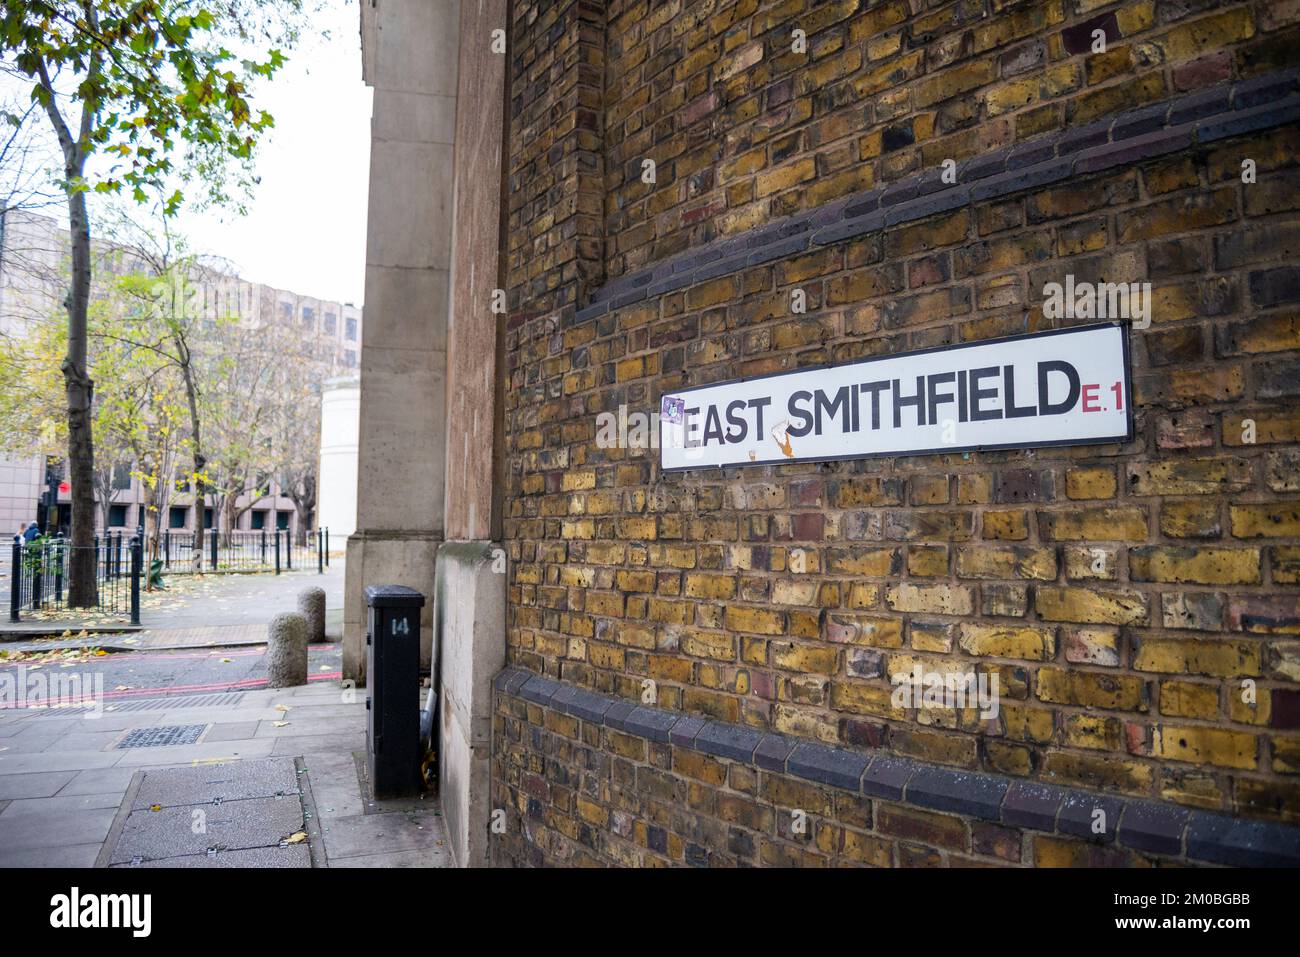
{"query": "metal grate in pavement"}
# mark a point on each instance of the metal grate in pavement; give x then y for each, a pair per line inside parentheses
(161, 737)
(224, 699)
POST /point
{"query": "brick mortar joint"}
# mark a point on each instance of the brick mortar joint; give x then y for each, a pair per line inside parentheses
(1163, 828)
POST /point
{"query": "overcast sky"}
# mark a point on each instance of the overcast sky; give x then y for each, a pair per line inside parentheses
(306, 225)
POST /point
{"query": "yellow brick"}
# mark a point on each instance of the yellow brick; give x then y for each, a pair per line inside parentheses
(1006, 562)
(1185, 699)
(1006, 526)
(1217, 657)
(935, 599)
(1280, 520)
(1090, 483)
(1090, 606)
(1208, 33)
(699, 766)
(783, 177)
(1127, 523)
(1201, 745)
(1202, 566)
(1029, 643)
(804, 658)
(1087, 689)
(755, 621)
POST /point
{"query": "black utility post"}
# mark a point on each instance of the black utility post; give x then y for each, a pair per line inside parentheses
(52, 499)
(320, 552)
(16, 582)
(393, 683)
(58, 571)
(38, 566)
(327, 546)
(137, 559)
(167, 548)
(288, 550)
(263, 545)
(277, 551)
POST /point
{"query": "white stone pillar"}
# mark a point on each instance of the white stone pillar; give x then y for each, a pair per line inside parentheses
(410, 54)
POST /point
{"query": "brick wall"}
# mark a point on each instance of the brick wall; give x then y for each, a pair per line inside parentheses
(1122, 594)
(743, 129)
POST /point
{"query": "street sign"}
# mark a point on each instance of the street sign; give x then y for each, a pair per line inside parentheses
(1060, 387)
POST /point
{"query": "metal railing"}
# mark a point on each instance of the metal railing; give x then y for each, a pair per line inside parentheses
(40, 569)
(39, 576)
(264, 550)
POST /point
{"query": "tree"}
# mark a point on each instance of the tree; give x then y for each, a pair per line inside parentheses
(135, 82)
(295, 423)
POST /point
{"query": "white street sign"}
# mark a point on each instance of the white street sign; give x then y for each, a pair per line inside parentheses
(1061, 387)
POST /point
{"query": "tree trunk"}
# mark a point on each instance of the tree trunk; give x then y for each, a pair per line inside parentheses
(104, 493)
(80, 393)
(200, 460)
(228, 517)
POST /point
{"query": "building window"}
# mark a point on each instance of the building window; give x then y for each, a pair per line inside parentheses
(308, 316)
(286, 310)
(351, 327)
(259, 519)
(117, 516)
(121, 477)
(176, 516)
(281, 520)
(350, 359)
(207, 518)
(331, 324)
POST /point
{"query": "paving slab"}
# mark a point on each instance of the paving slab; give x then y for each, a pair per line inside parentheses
(34, 784)
(232, 731)
(85, 741)
(295, 855)
(98, 781)
(74, 855)
(296, 726)
(315, 743)
(213, 752)
(60, 828)
(232, 825)
(396, 832)
(428, 857)
(65, 802)
(218, 783)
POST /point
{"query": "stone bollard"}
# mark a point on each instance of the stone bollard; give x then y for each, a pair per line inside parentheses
(311, 605)
(286, 651)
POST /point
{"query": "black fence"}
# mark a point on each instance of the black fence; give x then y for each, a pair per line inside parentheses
(40, 570)
(40, 575)
(267, 550)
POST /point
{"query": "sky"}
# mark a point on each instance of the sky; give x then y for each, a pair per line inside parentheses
(305, 229)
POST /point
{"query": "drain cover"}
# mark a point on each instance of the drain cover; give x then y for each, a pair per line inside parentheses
(161, 737)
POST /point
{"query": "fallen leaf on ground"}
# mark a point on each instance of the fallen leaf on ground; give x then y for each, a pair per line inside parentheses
(279, 724)
(155, 807)
(297, 838)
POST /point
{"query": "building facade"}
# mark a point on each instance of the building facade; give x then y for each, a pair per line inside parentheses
(705, 666)
(340, 409)
(33, 263)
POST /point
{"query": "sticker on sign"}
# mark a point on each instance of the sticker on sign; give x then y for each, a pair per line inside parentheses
(1061, 387)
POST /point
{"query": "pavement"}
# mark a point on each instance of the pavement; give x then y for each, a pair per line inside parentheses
(195, 601)
(71, 795)
(220, 771)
